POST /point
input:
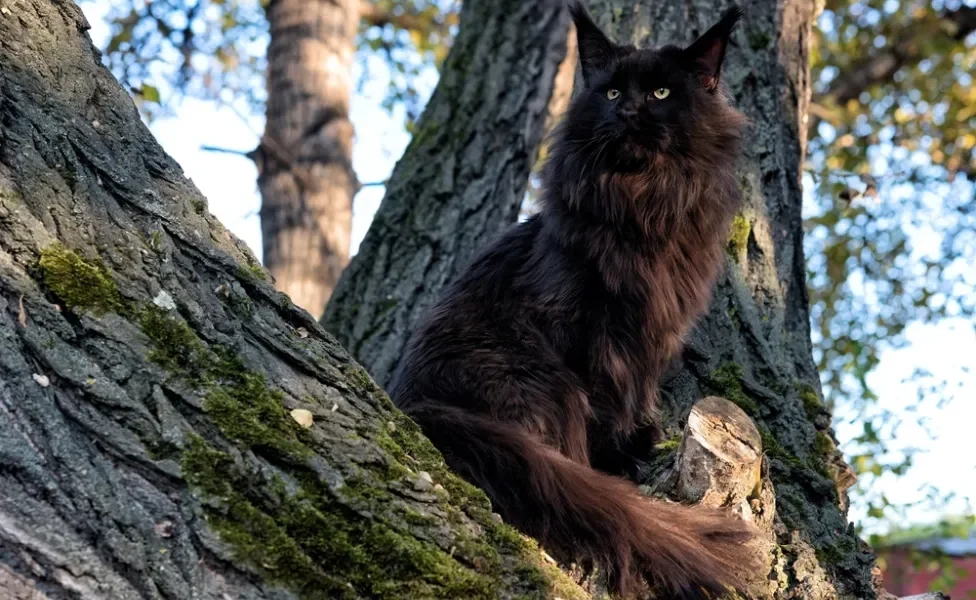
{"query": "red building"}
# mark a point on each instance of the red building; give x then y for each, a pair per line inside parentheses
(947, 564)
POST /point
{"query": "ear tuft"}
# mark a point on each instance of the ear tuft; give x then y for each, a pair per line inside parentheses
(708, 51)
(596, 51)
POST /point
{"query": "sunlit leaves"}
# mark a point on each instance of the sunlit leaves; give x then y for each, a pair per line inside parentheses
(215, 49)
(150, 93)
(211, 49)
(411, 37)
(902, 253)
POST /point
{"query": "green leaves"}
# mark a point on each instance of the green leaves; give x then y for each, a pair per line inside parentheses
(215, 49)
(889, 227)
(149, 93)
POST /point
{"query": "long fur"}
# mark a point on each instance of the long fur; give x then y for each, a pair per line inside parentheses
(536, 368)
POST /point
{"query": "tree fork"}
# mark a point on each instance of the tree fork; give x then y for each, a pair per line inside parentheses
(460, 181)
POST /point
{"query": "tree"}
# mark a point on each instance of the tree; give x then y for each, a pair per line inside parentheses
(892, 118)
(305, 157)
(753, 347)
(173, 426)
(460, 181)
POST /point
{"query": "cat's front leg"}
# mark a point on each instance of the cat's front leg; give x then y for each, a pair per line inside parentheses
(624, 457)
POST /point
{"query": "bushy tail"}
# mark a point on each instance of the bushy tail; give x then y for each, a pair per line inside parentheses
(686, 553)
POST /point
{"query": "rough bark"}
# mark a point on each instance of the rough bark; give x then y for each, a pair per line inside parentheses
(460, 181)
(304, 160)
(753, 347)
(152, 383)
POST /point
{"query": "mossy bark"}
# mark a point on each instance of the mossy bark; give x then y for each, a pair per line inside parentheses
(460, 181)
(150, 374)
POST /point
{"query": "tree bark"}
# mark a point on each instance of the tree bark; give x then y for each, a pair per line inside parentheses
(304, 161)
(461, 179)
(170, 425)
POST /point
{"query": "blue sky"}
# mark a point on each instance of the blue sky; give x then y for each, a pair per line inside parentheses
(948, 462)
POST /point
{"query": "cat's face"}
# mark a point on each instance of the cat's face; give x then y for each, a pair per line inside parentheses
(640, 102)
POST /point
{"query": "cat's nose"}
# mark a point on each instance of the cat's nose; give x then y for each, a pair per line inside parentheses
(626, 112)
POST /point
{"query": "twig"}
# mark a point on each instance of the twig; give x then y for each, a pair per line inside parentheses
(206, 148)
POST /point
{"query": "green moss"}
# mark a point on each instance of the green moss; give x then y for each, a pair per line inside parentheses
(174, 345)
(834, 553)
(417, 519)
(80, 284)
(252, 272)
(238, 401)
(823, 451)
(669, 444)
(739, 236)
(360, 379)
(288, 536)
(347, 541)
(407, 444)
(774, 449)
(759, 40)
(811, 402)
(823, 445)
(249, 412)
(727, 382)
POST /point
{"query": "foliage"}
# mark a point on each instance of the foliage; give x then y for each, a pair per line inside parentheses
(215, 49)
(211, 49)
(891, 219)
(957, 526)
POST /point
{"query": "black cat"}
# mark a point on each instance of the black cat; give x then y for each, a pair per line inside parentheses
(542, 359)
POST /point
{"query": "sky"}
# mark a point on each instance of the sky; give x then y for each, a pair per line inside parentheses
(946, 349)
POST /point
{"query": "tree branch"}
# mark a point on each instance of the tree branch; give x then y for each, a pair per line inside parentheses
(379, 17)
(905, 49)
(220, 150)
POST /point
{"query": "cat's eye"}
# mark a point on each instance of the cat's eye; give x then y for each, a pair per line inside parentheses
(613, 94)
(662, 93)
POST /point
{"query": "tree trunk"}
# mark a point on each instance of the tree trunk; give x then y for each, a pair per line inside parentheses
(754, 345)
(170, 425)
(461, 179)
(305, 157)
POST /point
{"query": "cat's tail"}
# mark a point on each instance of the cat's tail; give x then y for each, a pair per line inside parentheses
(683, 552)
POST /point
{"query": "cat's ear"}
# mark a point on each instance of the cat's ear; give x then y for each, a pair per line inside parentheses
(596, 51)
(707, 52)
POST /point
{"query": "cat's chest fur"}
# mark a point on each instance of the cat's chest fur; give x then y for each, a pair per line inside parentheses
(623, 347)
(639, 301)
